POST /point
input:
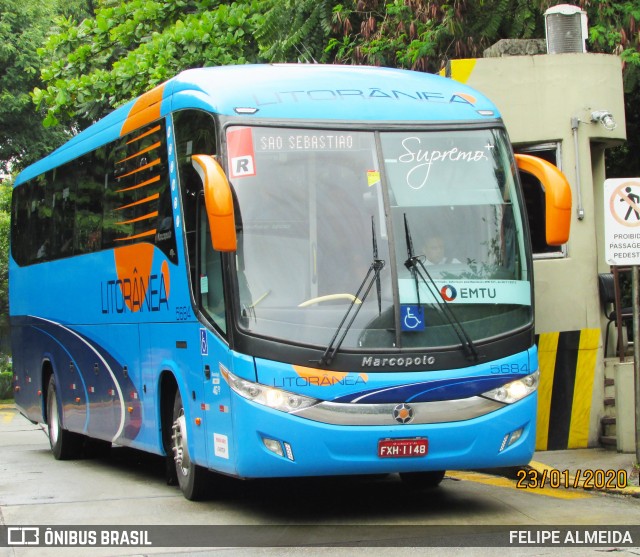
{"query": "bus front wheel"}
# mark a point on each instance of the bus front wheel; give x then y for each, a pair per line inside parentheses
(65, 445)
(192, 478)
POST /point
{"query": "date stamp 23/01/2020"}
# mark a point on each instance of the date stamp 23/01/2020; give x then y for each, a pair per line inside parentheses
(579, 478)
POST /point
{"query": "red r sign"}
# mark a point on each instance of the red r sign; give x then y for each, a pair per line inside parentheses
(241, 153)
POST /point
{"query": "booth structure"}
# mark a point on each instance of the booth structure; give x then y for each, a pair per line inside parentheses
(569, 109)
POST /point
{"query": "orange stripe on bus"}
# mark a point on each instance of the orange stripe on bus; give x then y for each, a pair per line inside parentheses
(139, 202)
(142, 152)
(140, 169)
(135, 236)
(138, 219)
(144, 111)
(145, 134)
(140, 185)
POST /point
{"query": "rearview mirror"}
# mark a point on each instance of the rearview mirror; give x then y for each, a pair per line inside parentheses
(557, 195)
(218, 201)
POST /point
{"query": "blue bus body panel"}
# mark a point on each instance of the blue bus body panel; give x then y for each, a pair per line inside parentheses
(318, 448)
(331, 92)
(336, 93)
(90, 293)
(380, 388)
(108, 359)
(237, 447)
(85, 328)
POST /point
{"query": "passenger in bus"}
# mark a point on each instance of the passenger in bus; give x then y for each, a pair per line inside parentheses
(43, 251)
(434, 252)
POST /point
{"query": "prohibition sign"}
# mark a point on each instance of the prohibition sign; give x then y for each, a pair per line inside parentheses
(622, 221)
(624, 203)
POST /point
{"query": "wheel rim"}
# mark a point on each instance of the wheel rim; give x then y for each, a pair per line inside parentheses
(54, 422)
(180, 450)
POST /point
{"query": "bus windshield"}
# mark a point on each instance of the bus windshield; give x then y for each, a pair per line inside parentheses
(316, 208)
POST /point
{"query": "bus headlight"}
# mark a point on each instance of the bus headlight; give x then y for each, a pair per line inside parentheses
(515, 390)
(284, 401)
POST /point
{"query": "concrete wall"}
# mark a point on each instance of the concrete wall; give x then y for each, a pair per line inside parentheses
(539, 97)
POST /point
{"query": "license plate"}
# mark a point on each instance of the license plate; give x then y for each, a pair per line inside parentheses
(403, 448)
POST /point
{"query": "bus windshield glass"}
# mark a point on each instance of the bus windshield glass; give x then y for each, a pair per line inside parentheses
(317, 208)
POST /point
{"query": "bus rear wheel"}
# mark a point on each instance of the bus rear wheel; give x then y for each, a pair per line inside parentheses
(192, 479)
(422, 480)
(65, 445)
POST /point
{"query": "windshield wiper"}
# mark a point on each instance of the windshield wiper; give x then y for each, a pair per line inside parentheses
(376, 266)
(417, 268)
(375, 258)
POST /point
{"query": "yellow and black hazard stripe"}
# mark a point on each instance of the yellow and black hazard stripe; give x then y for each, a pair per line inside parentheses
(567, 363)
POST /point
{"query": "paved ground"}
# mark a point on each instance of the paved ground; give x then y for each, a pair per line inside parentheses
(121, 493)
(593, 468)
(582, 466)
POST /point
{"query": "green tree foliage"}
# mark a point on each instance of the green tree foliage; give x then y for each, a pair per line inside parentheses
(614, 28)
(5, 212)
(93, 66)
(423, 35)
(23, 29)
(296, 30)
(96, 64)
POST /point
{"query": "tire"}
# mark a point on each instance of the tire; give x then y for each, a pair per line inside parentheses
(192, 479)
(65, 445)
(422, 480)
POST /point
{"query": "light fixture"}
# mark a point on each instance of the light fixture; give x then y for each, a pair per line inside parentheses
(278, 399)
(511, 438)
(281, 448)
(245, 110)
(605, 118)
(515, 390)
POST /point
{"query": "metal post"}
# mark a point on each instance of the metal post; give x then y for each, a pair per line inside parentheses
(635, 294)
(575, 122)
(618, 309)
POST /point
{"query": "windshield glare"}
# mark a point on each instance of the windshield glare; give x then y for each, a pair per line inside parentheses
(315, 208)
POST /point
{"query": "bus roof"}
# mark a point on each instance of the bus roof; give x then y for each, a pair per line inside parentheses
(317, 92)
(332, 92)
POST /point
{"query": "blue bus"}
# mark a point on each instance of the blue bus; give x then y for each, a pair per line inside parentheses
(281, 271)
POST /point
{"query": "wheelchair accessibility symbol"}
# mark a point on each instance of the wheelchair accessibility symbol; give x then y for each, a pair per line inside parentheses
(204, 347)
(412, 317)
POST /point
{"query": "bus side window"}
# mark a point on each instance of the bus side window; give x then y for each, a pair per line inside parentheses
(22, 235)
(195, 134)
(41, 218)
(88, 205)
(211, 282)
(64, 199)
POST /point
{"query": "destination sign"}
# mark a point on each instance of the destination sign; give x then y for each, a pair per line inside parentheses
(306, 142)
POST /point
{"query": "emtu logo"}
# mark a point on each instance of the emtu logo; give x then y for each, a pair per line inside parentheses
(448, 293)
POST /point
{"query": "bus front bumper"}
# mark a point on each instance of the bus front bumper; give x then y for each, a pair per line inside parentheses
(268, 443)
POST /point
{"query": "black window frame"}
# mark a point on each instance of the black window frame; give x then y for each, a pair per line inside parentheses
(85, 183)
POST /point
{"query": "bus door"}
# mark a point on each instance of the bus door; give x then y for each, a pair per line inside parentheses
(214, 351)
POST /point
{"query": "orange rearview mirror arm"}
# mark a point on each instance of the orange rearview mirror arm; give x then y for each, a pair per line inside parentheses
(218, 202)
(557, 194)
